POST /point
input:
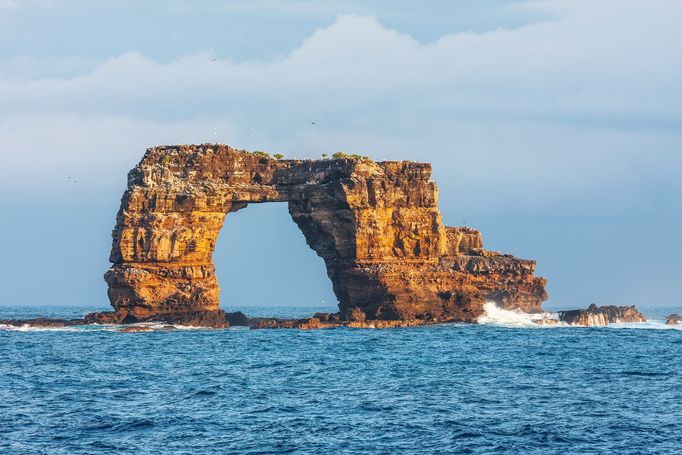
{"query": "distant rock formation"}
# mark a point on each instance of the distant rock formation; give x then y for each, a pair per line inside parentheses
(376, 225)
(601, 316)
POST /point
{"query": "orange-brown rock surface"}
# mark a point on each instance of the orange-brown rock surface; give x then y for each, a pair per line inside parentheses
(376, 225)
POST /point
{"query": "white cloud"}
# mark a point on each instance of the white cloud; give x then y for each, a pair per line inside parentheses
(563, 136)
(47, 153)
(571, 105)
(9, 4)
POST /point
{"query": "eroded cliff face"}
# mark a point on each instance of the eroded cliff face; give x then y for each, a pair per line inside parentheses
(376, 225)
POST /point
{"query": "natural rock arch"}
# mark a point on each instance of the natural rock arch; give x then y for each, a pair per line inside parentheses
(376, 225)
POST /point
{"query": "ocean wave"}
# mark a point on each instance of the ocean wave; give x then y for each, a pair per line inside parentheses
(651, 324)
(494, 315)
(29, 328)
(513, 318)
(144, 327)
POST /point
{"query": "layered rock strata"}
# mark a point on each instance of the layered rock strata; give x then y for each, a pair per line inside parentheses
(601, 316)
(376, 225)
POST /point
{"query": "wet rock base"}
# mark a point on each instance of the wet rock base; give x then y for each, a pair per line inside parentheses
(217, 319)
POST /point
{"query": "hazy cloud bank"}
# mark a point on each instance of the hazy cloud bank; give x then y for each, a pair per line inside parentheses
(559, 105)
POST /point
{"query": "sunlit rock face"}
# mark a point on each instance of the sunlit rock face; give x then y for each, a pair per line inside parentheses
(376, 225)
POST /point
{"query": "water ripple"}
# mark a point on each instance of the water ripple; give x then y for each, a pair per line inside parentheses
(445, 389)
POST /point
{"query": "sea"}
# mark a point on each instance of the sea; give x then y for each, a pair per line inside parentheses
(504, 386)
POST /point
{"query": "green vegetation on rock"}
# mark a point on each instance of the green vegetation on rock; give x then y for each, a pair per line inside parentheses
(354, 156)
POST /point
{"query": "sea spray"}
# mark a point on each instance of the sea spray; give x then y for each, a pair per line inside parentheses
(517, 318)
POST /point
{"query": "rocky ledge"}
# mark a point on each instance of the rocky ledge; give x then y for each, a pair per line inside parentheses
(593, 316)
(43, 322)
(601, 316)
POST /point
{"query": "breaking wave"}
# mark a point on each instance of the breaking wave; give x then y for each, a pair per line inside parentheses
(494, 315)
(27, 328)
(145, 327)
(515, 318)
(651, 324)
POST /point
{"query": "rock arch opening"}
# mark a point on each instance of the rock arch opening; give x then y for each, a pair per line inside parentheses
(262, 259)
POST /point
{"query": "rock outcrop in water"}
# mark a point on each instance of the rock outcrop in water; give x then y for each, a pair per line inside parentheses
(376, 225)
(43, 322)
(673, 319)
(601, 316)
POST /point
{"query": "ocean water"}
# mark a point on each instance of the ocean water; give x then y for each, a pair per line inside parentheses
(506, 386)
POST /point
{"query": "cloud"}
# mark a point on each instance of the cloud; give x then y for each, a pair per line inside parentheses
(580, 102)
(43, 155)
(9, 4)
(561, 138)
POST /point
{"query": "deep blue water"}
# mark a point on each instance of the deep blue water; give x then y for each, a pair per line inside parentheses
(442, 389)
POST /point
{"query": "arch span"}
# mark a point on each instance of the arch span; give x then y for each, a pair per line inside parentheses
(376, 226)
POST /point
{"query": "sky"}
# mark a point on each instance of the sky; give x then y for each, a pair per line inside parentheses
(553, 126)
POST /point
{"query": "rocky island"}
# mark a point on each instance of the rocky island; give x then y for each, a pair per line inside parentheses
(391, 260)
(376, 225)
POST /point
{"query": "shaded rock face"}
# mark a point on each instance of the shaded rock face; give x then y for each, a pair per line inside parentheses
(601, 316)
(376, 225)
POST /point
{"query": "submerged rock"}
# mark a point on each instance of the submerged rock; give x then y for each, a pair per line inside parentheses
(602, 316)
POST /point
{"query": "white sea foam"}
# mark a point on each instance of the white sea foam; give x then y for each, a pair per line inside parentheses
(651, 324)
(153, 327)
(28, 328)
(514, 318)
